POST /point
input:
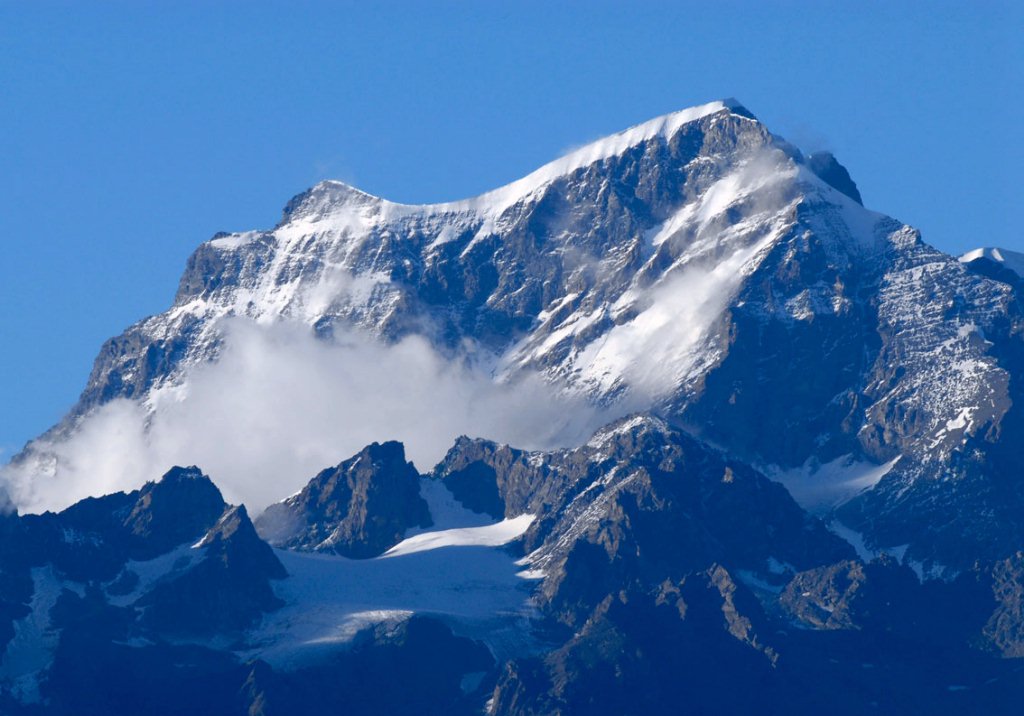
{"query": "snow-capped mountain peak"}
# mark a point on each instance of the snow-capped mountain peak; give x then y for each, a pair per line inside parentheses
(338, 195)
(663, 127)
(327, 193)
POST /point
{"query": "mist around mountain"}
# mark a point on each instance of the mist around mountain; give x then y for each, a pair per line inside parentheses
(673, 423)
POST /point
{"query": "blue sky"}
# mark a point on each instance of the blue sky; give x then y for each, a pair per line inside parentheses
(131, 131)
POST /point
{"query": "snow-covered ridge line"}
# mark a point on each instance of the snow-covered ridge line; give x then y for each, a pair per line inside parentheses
(494, 202)
(665, 126)
(493, 535)
(1012, 260)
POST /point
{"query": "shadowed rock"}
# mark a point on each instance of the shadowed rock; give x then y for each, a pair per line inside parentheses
(358, 509)
(225, 591)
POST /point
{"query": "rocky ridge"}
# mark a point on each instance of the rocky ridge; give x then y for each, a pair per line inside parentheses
(654, 568)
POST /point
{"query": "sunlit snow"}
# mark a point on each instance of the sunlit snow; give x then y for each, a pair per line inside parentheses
(458, 573)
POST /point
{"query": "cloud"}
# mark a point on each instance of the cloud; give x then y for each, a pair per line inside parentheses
(280, 405)
(669, 335)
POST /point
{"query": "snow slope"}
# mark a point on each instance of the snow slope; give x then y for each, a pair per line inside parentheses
(1013, 260)
(458, 573)
(821, 488)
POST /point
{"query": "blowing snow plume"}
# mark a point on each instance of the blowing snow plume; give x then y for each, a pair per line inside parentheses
(280, 405)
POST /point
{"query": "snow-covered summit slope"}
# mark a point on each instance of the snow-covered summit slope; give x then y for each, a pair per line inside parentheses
(1013, 260)
(695, 265)
(664, 128)
(539, 271)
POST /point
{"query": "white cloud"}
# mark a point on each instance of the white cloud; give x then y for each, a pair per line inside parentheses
(280, 405)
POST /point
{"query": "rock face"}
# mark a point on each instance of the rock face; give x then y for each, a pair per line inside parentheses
(854, 595)
(673, 574)
(639, 504)
(357, 509)
(1004, 630)
(173, 511)
(639, 653)
(227, 590)
(829, 170)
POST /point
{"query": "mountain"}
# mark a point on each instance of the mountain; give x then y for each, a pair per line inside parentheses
(361, 508)
(642, 569)
(785, 458)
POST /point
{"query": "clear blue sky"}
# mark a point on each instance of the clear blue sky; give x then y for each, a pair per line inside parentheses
(132, 131)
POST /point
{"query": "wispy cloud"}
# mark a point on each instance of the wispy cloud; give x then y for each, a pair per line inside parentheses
(281, 404)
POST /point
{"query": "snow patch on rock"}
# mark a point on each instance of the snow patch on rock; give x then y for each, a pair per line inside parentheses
(820, 488)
